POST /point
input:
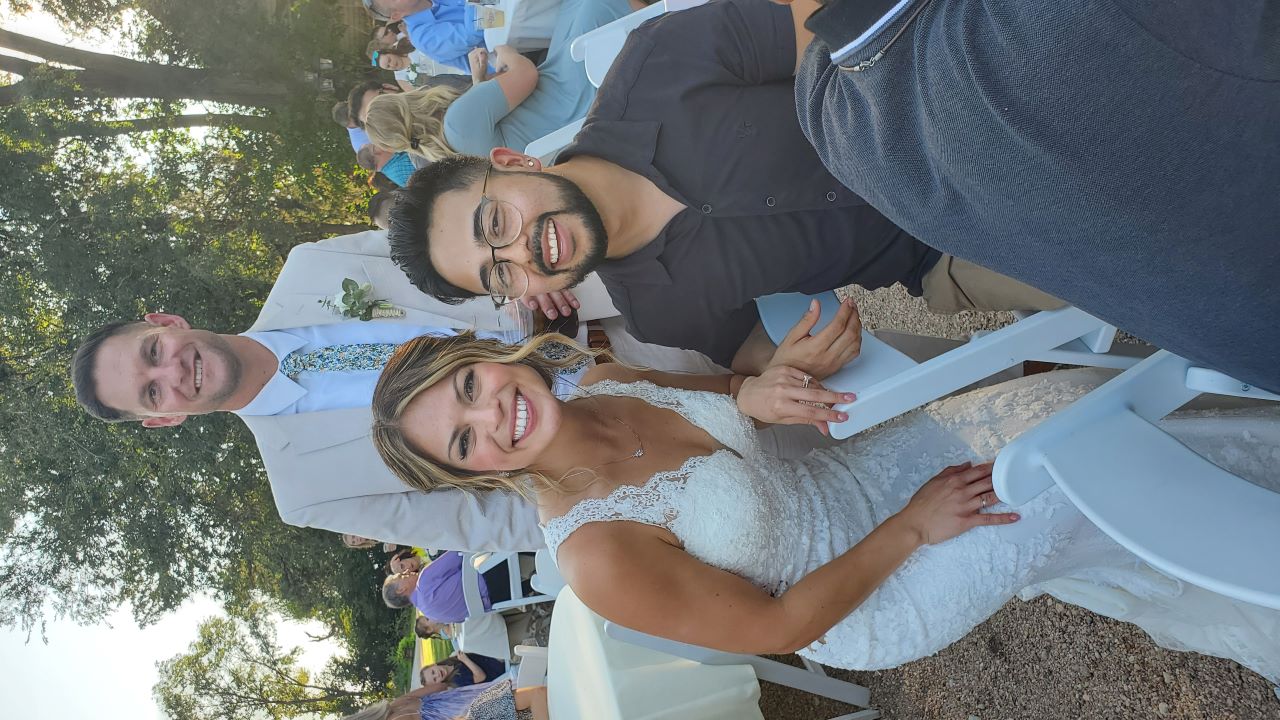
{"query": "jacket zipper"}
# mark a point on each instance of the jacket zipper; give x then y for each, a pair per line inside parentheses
(871, 61)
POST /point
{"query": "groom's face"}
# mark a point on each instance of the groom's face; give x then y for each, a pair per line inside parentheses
(164, 370)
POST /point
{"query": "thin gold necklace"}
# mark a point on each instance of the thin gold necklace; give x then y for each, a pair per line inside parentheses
(639, 451)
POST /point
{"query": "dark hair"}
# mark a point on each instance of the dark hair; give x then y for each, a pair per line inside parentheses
(342, 113)
(381, 204)
(366, 158)
(82, 366)
(411, 221)
(355, 98)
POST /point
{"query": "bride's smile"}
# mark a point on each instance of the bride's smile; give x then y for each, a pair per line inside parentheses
(485, 417)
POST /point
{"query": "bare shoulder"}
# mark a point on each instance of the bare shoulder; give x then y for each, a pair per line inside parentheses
(600, 557)
(610, 371)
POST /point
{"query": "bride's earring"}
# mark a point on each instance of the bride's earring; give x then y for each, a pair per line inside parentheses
(529, 163)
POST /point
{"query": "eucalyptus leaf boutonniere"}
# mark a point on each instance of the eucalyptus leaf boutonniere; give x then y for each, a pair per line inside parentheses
(356, 301)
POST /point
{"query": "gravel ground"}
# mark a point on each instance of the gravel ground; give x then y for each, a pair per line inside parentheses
(1039, 660)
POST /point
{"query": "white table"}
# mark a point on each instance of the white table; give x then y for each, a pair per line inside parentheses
(528, 26)
(592, 676)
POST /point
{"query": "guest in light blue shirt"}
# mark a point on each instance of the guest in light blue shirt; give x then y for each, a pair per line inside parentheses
(443, 30)
(511, 109)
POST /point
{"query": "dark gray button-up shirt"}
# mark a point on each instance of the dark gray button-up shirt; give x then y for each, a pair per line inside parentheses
(701, 102)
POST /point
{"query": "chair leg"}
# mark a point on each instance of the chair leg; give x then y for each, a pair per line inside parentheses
(860, 715)
(827, 687)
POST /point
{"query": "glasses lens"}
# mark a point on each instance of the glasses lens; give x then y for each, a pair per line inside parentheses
(502, 222)
(507, 281)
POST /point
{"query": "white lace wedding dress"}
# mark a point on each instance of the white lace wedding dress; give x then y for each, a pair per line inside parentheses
(773, 521)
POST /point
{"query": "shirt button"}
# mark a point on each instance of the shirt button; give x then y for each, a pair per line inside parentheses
(770, 201)
(831, 196)
(706, 209)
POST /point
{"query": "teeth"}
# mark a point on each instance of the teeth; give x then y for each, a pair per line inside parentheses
(553, 242)
(522, 418)
(199, 373)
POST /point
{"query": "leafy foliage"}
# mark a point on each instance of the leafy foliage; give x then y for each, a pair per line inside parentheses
(103, 219)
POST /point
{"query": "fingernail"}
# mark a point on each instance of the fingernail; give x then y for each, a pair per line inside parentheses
(552, 314)
(1015, 517)
(850, 397)
(564, 310)
(813, 305)
(576, 304)
(843, 417)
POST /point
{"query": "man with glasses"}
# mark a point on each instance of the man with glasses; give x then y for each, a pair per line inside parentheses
(690, 189)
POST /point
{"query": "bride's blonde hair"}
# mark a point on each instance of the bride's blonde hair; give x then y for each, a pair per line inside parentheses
(412, 122)
(421, 363)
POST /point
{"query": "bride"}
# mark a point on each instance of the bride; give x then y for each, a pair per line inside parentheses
(666, 517)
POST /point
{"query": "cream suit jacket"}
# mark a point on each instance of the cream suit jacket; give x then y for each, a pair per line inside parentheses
(323, 468)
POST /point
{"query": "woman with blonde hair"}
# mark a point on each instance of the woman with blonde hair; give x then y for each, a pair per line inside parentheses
(512, 108)
(666, 516)
(412, 122)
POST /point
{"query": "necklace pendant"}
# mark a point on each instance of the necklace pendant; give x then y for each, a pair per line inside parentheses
(639, 453)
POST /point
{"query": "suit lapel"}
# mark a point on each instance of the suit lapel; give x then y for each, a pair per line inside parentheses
(308, 432)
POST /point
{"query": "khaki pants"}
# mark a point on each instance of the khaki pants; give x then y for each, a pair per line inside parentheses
(953, 285)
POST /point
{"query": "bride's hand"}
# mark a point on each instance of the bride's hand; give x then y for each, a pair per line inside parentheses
(952, 503)
(782, 395)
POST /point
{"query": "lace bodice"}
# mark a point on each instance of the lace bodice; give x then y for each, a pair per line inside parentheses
(772, 522)
(706, 499)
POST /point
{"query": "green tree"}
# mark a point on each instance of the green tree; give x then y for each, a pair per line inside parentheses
(236, 670)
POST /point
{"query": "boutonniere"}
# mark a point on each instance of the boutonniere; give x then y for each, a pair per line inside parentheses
(356, 301)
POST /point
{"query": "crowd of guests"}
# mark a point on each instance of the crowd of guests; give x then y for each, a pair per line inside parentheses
(451, 95)
(728, 156)
(432, 584)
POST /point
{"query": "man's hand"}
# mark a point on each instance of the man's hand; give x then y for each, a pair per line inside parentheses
(821, 355)
(478, 58)
(552, 304)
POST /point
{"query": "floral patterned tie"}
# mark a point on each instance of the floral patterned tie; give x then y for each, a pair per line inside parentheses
(337, 358)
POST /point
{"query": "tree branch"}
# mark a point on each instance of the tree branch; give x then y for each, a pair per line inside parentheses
(62, 54)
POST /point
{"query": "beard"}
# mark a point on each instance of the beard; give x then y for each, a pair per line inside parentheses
(594, 242)
(231, 368)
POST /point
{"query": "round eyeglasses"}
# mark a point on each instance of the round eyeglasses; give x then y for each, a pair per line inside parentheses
(500, 223)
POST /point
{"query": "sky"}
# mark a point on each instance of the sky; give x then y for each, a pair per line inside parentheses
(105, 671)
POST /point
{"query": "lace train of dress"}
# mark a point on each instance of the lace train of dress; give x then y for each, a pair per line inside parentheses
(773, 521)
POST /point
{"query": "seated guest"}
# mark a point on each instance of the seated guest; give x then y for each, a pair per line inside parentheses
(412, 69)
(427, 629)
(342, 115)
(379, 208)
(436, 589)
(511, 109)
(461, 670)
(443, 30)
(689, 209)
(396, 166)
(1140, 183)
(495, 700)
(361, 95)
(405, 560)
(391, 37)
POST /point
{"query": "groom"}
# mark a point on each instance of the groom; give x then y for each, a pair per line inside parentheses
(301, 378)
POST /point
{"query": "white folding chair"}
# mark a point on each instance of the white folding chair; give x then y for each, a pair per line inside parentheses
(888, 383)
(598, 48)
(546, 576)
(1149, 492)
(813, 680)
(548, 146)
(532, 670)
(476, 564)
